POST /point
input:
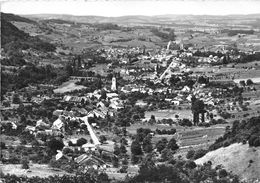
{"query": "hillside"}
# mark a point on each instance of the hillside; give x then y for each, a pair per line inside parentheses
(231, 21)
(13, 38)
(238, 150)
(11, 17)
(238, 158)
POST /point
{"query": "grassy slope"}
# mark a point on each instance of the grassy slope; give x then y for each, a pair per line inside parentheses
(13, 38)
(236, 158)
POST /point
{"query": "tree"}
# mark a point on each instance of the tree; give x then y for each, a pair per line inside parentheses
(190, 154)
(54, 145)
(172, 145)
(161, 144)
(16, 99)
(116, 149)
(99, 83)
(242, 83)
(198, 108)
(222, 173)
(249, 82)
(102, 138)
(2, 145)
(123, 141)
(122, 149)
(25, 164)
(202, 80)
(185, 122)
(147, 144)
(199, 153)
(190, 164)
(69, 69)
(103, 94)
(115, 162)
(67, 151)
(166, 154)
(134, 159)
(81, 141)
(136, 148)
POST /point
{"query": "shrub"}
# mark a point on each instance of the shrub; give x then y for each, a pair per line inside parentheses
(185, 122)
(190, 165)
(172, 144)
(222, 173)
(2, 145)
(67, 151)
(254, 141)
(54, 145)
(25, 164)
(199, 153)
(226, 143)
(102, 138)
(81, 141)
(190, 154)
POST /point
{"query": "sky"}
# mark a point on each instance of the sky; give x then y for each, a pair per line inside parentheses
(114, 8)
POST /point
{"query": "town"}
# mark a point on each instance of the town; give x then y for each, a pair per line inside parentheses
(130, 113)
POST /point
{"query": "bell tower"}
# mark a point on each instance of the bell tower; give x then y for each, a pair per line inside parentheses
(113, 86)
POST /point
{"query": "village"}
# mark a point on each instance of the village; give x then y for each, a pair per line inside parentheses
(139, 101)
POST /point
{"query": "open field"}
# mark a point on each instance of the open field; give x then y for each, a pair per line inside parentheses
(200, 136)
(68, 87)
(40, 170)
(166, 114)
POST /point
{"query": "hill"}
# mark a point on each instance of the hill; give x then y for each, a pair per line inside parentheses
(13, 38)
(11, 17)
(238, 158)
(171, 20)
(234, 153)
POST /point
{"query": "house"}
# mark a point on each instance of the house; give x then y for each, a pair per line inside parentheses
(90, 161)
(100, 104)
(58, 124)
(116, 104)
(89, 146)
(96, 113)
(112, 95)
(57, 112)
(31, 129)
(141, 103)
(175, 102)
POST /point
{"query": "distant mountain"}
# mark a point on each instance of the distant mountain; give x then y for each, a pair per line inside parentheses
(189, 21)
(13, 38)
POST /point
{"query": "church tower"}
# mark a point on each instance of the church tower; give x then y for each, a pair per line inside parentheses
(113, 86)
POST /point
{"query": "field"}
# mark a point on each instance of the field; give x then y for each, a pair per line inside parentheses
(68, 87)
(40, 170)
(198, 136)
(166, 114)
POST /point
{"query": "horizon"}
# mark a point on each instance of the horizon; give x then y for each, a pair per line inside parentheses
(132, 8)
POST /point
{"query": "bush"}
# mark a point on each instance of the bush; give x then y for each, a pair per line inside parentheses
(67, 151)
(190, 165)
(199, 153)
(2, 145)
(254, 141)
(25, 164)
(222, 173)
(190, 154)
(81, 141)
(102, 138)
(54, 145)
(185, 122)
(226, 143)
